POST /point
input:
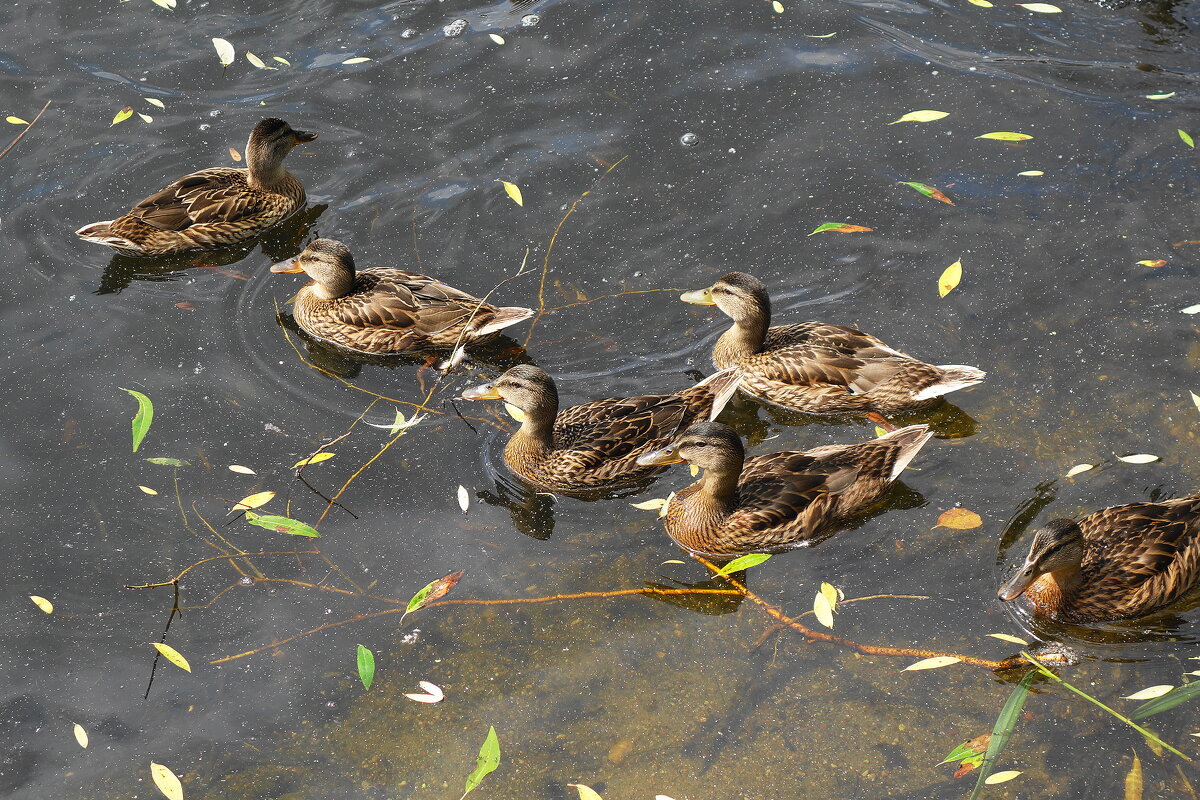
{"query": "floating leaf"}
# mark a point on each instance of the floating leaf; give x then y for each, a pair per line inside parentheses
(777, 6)
(1004, 637)
(1138, 458)
(358, 60)
(650, 505)
(366, 666)
(819, 35)
(400, 423)
(822, 610)
(1195, 400)
(832, 593)
(586, 792)
(16, 120)
(1031, 173)
(1158, 262)
(274, 522)
(145, 117)
(742, 562)
(225, 52)
(486, 763)
(234, 154)
(1006, 136)
(147, 489)
(513, 191)
(968, 751)
(42, 603)
(1187, 138)
(497, 38)
(839, 227)
(959, 518)
(1001, 777)
(464, 499)
(1160, 96)
(433, 591)
(980, 3)
(929, 191)
(143, 418)
(252, 501)
(880, 432)
(662, 512)
(122, 115)
(241, 470)
(81, 736)
(256, 61)
(1002, 730)
(167, 4)
(1151, 692)
(932, 663)
(154, 101)
(1190, 310)
(166, 781)
(1078, 468)
(172, 655)
(1134, 783)
(922, 116)
(432, 693)
(282, 60)
(950, 278)
(1169, 700)
(168, 462)
(315, 458)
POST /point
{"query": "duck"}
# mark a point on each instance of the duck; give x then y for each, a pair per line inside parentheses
(594, 446)
(383, 310)
(1118, 563)
(817, 367)
(779, 501)
(213, 207)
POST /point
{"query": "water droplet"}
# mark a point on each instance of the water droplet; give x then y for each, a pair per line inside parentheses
(689, 140)
(214, 113)
(455, 28)
(529, 20)
(205, 126)
(408, 33)
(246, 580)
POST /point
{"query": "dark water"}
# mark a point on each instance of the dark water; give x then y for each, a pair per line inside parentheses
(1088, 354)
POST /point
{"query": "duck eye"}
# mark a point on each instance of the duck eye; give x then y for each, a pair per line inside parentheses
(699, 444)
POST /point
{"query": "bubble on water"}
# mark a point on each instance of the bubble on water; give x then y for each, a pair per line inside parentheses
(529, 20)
(246, 580)
(689, 140)
(205, 126)
(408, 33)
(455, 28)
(214, 113)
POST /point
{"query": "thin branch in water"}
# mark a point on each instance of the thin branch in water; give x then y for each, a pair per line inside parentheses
(21, 135)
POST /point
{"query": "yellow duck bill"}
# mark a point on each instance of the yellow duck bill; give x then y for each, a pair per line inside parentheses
(291, 265)
(1015, 586)
(699, 297)
(485, 392)
(660, 458)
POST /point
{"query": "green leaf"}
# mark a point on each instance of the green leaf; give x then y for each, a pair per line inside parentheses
(1002, 730)
(1159, 96)
(143, 418)
(929, 191)
(489, 759)
(432, 591)
(743, 562)
(1187, 138)
(122, 115)
(274, 522)
(839, 227)
(1169, 700)
(168, 462)
(366, 666)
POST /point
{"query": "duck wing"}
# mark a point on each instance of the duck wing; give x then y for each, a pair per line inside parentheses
(813, 353)
(210, 195)
(788, 497)
(619, 427)
(393, 299)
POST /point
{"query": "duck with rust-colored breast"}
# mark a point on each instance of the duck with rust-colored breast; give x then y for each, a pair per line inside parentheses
(383, 311)
(594, 446)
(816, 367)
(1117, 563)
(777, 501)
(213, 207)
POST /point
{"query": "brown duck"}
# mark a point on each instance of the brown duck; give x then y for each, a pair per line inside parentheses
(381, 310)
(817, 367)
(1118, 563)
(212, 207)
(595, 445)
(777, 501)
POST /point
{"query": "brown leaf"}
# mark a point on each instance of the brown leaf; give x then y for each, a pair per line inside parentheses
(235, 155)
(185, 306)
(979, 743)
(435, 590)
(959, 519)
(1153, 262)
(964, 768)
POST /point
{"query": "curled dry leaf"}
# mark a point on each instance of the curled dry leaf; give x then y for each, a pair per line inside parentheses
(513, 192)
(1078, 468)
(225, 52)
(430, 693)
(1006, 136)
(81, 736)
(959, 518)
(1138, 458)
(1150, 692)
(949, 278)
(932, 663)
(921, 116)
(585, 792)
(241, 470)
(1002, 777)
(172, 655)
(166, 781)
(252, 501)
(840, 227)
(42, 603)
(1005, 637)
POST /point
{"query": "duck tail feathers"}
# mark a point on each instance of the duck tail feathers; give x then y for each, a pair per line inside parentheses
(508, 315)
(953, 377)
(723, 385)
(910, 440)
(101, 233)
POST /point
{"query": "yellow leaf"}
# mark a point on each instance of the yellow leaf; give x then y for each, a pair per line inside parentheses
(932, 663)
(514, 412)
(1031, 173)
(514, 192)
(253, 501)
(1078, 468)
(81, 736)
(497, 38)
(234, 154)
(1153, 262)
(316, 458)
(1006, 136)
(145, 117)
(1004, 637)
(1002, 777)
(1040, 8)
(42, 603)
(950, 278)
(225, 52)
(240, 469)
(154, 101)
(16, 120)
(586, 792)
(1133, 781)
(922, 116)
(122, 115)
(172, 655)
(166, 782)
(822, 610)
(1138, 458)
(777, 6)
(692, 468)
(662, 512)
(831, 593)
(959, 519)
(1195, 399)
(879, 432)
(358, 60)
(981, 3)
(1150, 692)
(650, 505)
(282, 60)
(147, 489)
(256, 61)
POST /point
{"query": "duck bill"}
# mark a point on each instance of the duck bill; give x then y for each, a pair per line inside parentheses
(1015, 586)
(700, 297)
(291, 265)
(660, 458)
(485, 392)
(304, 137)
